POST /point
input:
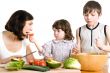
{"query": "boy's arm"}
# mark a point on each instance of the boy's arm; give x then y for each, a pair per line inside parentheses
(108, 34)
(105, 47)
(78, 40)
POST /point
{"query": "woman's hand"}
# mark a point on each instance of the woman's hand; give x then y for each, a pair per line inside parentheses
(16, 56)
(4, 61)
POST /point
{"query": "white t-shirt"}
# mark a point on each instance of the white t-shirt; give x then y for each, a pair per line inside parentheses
(5, 53)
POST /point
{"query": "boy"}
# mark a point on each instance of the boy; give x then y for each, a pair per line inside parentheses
(93, 37)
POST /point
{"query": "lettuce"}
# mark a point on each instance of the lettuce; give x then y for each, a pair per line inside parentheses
(14, 65)
(72, 63)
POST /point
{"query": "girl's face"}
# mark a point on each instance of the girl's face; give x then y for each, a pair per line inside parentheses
(59, 34)
(28, 27)
(91, 18)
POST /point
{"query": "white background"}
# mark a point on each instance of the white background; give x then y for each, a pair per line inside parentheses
(46, 12)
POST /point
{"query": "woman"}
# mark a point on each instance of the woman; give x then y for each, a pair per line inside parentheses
(13, 41)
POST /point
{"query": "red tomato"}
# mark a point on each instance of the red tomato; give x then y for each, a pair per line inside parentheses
(36, 62)
(39, 62)
(42, 63)
(31, 34)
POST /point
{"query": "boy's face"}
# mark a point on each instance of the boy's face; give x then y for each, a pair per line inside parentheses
(59, 34)
(91, 18)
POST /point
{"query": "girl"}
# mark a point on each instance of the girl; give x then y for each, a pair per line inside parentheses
(61, 47)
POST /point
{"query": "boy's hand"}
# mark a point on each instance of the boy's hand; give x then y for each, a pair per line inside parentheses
(98, 43)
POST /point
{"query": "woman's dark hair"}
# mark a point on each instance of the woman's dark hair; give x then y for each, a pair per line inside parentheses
(17, 21)
(65, 26)
(92, 5)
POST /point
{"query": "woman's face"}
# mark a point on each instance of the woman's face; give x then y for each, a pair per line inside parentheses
(59, 34)
(28, 27)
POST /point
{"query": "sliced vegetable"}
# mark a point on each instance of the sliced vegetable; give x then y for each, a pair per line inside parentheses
(53, 64)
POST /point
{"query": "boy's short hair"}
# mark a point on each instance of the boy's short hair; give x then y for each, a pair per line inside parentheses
(92, 5)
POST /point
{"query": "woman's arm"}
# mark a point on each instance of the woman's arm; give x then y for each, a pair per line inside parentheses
(4, 61)
(29, 58)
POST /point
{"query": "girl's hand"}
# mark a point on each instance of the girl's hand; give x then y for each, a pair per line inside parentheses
(75, 51)
(48, 58)
(31, 37)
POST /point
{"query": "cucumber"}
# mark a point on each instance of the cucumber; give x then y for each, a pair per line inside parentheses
(36, 68)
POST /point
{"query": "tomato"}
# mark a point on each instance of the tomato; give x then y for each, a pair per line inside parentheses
(42, 63)
(31, 34)
(39, 62)
(36, 62)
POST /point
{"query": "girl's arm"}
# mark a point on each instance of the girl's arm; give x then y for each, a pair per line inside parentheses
(33, 40)
(47, 50)
(40, 49)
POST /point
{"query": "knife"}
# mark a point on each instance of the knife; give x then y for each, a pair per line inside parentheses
(29, 54)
